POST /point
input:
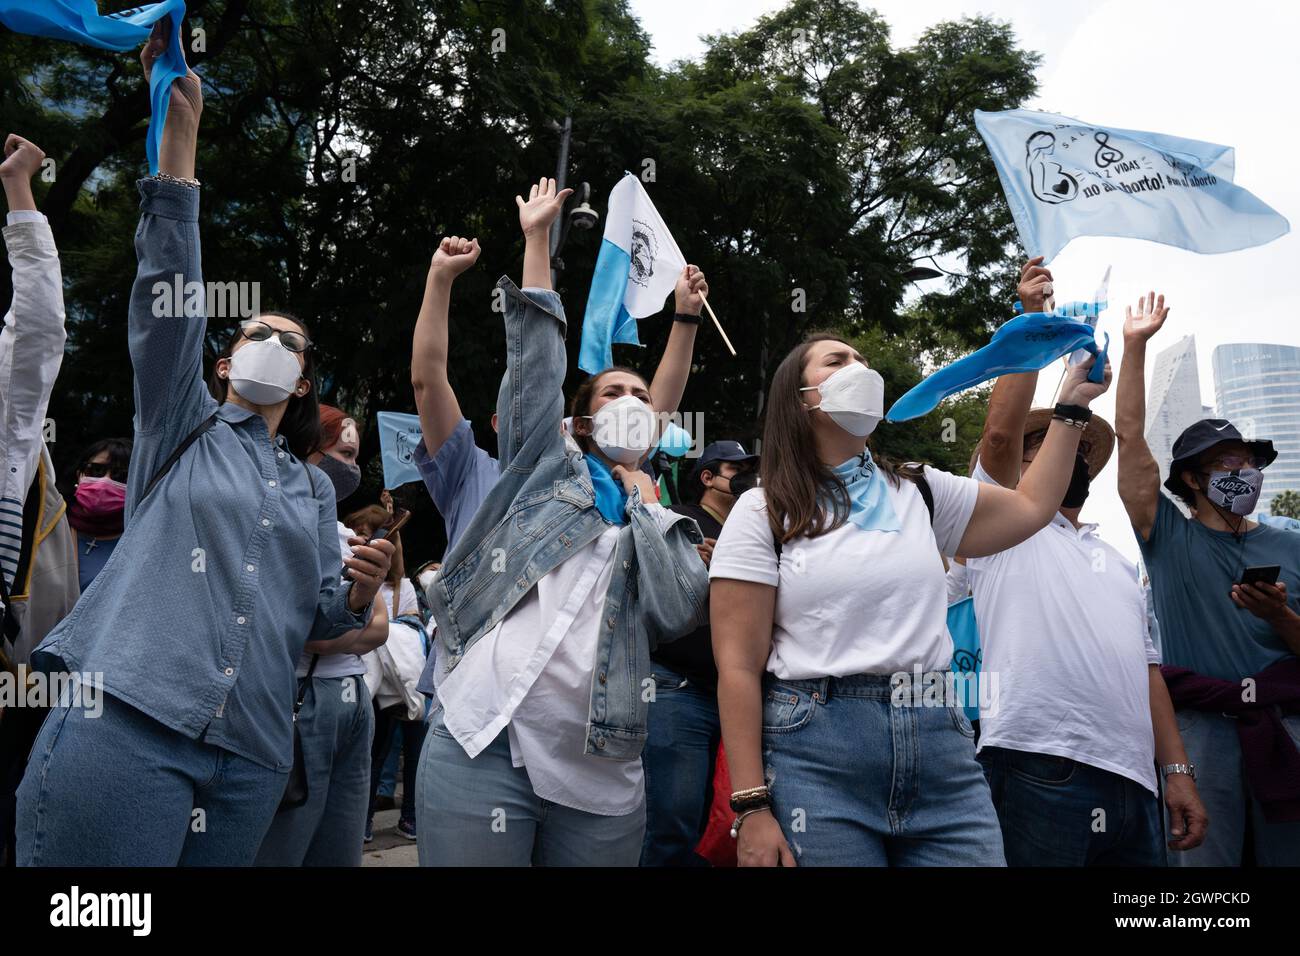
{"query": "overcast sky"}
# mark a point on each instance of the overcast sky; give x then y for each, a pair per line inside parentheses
(1225, 73)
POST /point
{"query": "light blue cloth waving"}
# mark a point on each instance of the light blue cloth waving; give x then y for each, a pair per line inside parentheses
(80, 22)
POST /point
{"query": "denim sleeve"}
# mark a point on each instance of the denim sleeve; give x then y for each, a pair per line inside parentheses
(672, 581)
(166, 327)
(458, 477)
(333, 616)
(530, 404)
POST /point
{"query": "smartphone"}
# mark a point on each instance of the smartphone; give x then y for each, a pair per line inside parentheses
(1261, 574)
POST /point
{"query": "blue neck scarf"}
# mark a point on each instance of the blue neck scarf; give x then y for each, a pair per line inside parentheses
(80, 22)
(869, 506)
(611, 499)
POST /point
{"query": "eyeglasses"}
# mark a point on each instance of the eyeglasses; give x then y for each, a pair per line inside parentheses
(1236, 462)
(256, 331)
(102, 469)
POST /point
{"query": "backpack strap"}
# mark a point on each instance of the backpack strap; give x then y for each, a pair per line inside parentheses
(922, 486)
(175, 456)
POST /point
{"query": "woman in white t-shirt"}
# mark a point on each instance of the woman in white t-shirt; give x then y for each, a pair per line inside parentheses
(843, 738)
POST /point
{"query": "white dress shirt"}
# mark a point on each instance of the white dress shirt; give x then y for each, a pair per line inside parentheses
(532, 675)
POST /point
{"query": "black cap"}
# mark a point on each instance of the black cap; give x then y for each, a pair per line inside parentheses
(1201, 436)
(720, 451)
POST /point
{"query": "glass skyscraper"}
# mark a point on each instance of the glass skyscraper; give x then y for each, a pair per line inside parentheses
(1257, 388)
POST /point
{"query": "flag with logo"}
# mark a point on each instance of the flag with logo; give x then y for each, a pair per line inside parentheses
(399, 433)
(1065, 178)
(80, 22)
(636, 270)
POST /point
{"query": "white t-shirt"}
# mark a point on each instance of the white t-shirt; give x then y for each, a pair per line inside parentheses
(853, 601)
(1063, 631)
(407, 602)
(335, 665)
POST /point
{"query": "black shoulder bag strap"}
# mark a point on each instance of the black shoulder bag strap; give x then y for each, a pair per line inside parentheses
(922, 486)
(175, 456)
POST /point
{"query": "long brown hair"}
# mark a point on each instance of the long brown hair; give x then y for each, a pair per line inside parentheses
(796, 483)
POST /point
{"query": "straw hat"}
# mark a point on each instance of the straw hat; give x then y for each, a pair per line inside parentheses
(1099, 436)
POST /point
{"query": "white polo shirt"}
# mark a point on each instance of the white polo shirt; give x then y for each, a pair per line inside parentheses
(1063, 630)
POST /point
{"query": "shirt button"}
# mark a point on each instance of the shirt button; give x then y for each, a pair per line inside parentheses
(602, 677)
(271, 482)
(281, 455)
(626, 565)
(600, 743)
(229, 671)
(266, 522)
(251, 568)
(239, 620)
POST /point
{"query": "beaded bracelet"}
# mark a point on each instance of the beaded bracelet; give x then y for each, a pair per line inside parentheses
(169, 178)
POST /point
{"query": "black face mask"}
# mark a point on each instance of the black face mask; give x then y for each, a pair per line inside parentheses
(1080, 484)
(741, 483)
(344, 477)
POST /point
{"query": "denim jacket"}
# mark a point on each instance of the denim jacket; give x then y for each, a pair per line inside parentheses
(541, 512)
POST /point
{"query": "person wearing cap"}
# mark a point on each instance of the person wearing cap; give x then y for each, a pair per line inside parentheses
(1229, 647)
(1074, 713)
(683, 729)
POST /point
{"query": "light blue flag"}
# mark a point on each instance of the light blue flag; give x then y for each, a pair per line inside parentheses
(80, 22)
(1064, 178)
(399, 433)
(966, 654)
(675, 442)
(1027, 343)
(636, 270)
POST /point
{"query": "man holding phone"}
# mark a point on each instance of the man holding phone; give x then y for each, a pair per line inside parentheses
(1225, 590)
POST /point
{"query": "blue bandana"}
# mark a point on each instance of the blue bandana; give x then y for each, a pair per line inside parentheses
(869, 506)
(80, 22)
(611, 499)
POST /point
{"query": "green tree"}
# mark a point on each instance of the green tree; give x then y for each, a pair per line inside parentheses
(1285, 504)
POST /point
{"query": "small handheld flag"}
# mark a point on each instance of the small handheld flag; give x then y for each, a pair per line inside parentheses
(399, 433)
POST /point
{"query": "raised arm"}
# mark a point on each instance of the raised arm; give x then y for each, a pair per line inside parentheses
(434, 399)
(675, 366)
(1002, 446)
(166, 323)
(31, 344)
(1139, 473)
(1002, 517)
(530, 402)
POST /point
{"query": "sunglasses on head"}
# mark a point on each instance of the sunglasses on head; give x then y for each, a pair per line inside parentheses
(256, 331)
(102, 469)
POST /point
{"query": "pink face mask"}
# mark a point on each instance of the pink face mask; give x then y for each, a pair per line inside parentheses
(101, 496)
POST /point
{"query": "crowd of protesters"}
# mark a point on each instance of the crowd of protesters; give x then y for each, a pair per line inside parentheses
(761, 674)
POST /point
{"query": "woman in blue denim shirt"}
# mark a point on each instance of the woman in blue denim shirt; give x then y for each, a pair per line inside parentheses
(547, 607)
(846, 744)
(224, 571)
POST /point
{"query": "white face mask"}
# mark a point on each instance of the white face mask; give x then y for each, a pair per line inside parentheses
(624, 429)
(854, 398)
(265, 372)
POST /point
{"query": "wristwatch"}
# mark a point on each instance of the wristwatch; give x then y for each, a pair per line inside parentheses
(1187, 768)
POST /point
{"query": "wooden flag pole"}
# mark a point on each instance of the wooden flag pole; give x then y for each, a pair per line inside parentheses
(719, 326)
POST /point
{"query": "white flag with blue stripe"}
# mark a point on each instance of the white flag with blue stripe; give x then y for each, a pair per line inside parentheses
(399, 433)
(1064, 178)
(637, 268)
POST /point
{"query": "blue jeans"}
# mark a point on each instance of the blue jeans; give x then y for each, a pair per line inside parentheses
(1059, 812)
(679, 756)
(1213, 746)
(122, 789)
(390, 730)
(858, 781)
(336, 723)
(483, 812)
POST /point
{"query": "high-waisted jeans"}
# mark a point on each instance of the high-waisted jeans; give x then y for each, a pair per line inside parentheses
(857, 780)
(122, 789)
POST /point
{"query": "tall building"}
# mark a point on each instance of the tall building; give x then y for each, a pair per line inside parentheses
(1173, 400)
(1257, 388)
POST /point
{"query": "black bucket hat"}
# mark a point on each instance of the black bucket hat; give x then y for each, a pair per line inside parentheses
(1201, 436)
